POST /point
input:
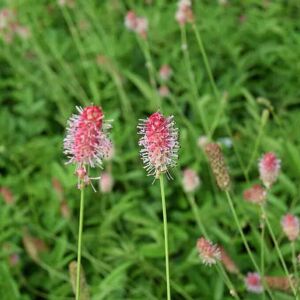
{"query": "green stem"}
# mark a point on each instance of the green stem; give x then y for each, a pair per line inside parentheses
(244, 239)
(79, 244)
(227, 281)
(191, 76)
(163, 200)
(194, 207)
(294, 260)
(279, 253)
(262, 248)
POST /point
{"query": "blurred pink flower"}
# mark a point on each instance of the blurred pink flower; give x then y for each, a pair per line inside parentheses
(202, 141)
(7, 195)
(253, 283)
(255, 194)
(106, 182)
(165, 72)
(131, 20)
(164, 91)
(184, 12)
(269, 167)
(290, 226)
(190, 181)
(209, 253)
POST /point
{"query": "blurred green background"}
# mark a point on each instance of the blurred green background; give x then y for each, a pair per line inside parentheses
(69, 53)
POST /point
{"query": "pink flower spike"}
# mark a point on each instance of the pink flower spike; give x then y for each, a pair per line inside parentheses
(165, 72)
(106, 182)
(190, 181)
(142, 26)
(159, 143)
(253, 283)
(131, 20)
(7, 195)
(290, 226)
(208, 252)
(256, 194)
(269, 167)
(86, 142)
(164, 91)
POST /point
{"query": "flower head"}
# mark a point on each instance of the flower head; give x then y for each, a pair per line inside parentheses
(208, 252)
(255, 194)
(7, 195)
(190, 181)
(218, 166)
(202, 141)
(159, 143)
(253, 283)
(269, 167)
(290, 226)
(86, 142)
(136, 23)
(164, 91)
(184, 12)
(165, 72)
(106, 182)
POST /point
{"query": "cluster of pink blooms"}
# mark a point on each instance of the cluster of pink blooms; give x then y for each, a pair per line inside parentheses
(253, 283)
(87, 142)
(269, 167)
(10, 27)
(165, 72)
(159, 142)
(209, 253)
(184, 13)
(290, 226)
(255, 194)
(136, 24)
(190, 181)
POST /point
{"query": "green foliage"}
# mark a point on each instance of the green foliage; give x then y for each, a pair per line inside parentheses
(84, 54)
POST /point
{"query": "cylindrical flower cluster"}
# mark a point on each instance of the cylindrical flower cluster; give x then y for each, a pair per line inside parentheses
(290, 226)
(218, 166)
(280, 283)
(184, 12)
(255, 194)
(87, 142)
(190, 181)
(253, 283)
(228, 263)
(269, 167)
(208, 252)
(136, 24)
(159, 142)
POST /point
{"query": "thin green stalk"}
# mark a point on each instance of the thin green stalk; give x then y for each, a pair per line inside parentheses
(194, 207)
(264, 119)
(262, 248)
(191, 76)
(244, 239)
(219, 266)
(294, 259)
(279, 253)
(227, 281)
(163, 200)
(217, 96)
(79, 244)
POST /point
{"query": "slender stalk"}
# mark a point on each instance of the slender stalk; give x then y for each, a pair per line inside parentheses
(279, 253)
(219, 266)
(191, 76)
(294, 259)
(244, 240)
(79, 244)
(163, 201)
(194, 207)
(262, 248)
(227, 281)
